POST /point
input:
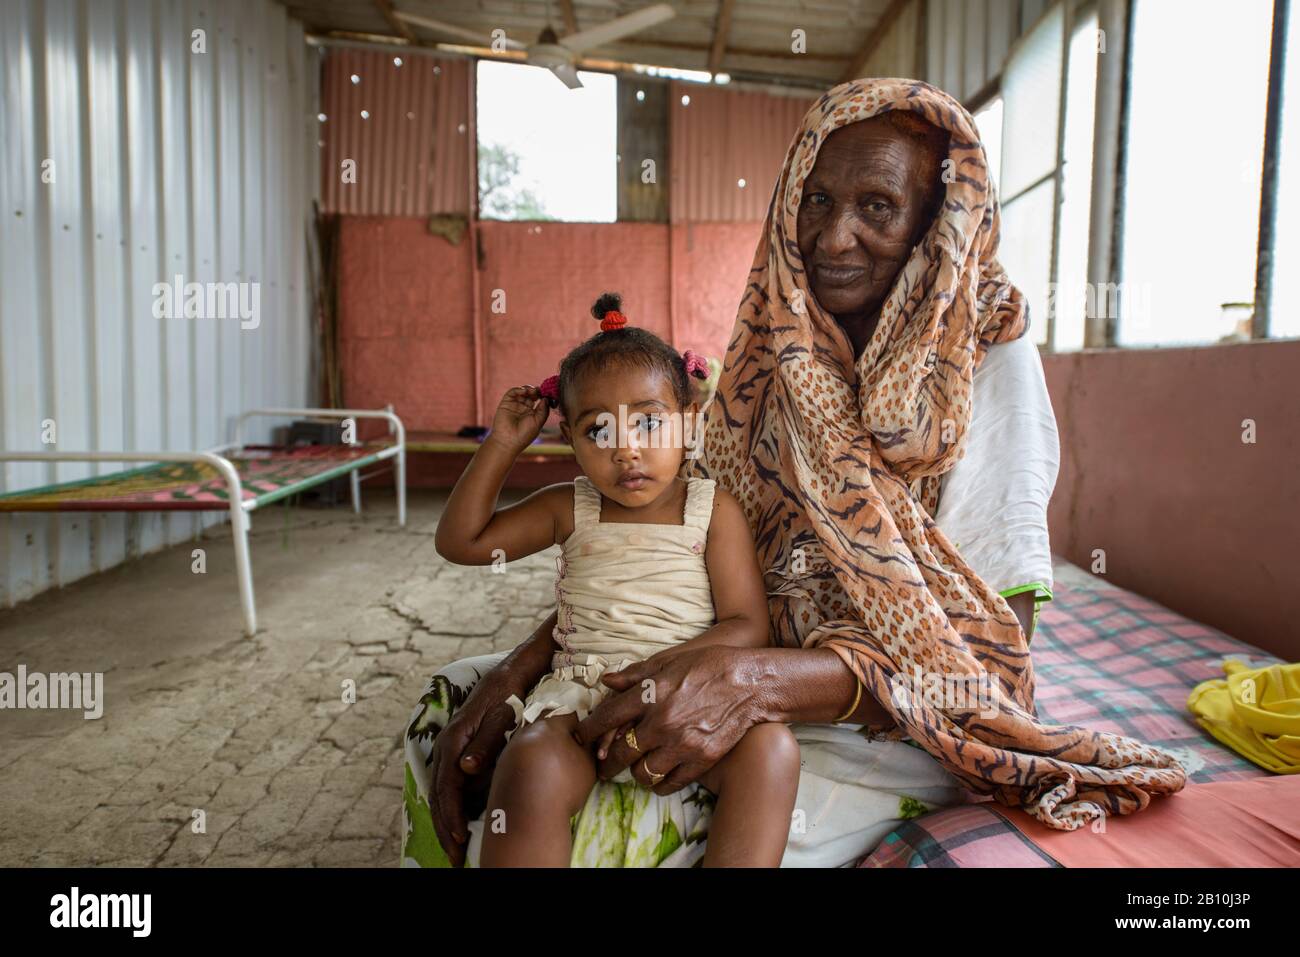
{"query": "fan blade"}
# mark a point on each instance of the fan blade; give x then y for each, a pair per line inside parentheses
(623, 26)
(568, 76)
(437, 26)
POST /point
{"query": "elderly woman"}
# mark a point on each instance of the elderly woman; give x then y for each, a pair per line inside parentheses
(883, 420)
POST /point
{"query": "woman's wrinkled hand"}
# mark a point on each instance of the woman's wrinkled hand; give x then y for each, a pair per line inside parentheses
(464, 753)
(689, 707)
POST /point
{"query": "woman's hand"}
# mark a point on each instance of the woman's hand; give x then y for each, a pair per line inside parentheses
(465, 751)
(520, 417)
(689, 706)
(607, 739)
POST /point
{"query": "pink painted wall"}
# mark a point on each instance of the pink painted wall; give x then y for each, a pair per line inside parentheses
(549, 274)
(711, 267)
(1154, 471)
(406, 318)
(404, 330)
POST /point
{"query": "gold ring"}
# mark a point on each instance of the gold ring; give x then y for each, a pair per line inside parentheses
(654, 778)
(630, 738)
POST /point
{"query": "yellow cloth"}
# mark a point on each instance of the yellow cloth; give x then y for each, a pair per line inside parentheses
(1254, 711)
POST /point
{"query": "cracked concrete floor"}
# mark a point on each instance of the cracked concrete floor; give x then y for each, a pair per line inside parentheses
(255, 733)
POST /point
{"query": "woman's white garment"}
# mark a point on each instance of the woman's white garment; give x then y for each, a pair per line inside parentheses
(854, 790)
(993, 503)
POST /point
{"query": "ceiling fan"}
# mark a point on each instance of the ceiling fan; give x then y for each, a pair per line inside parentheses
(555, 53)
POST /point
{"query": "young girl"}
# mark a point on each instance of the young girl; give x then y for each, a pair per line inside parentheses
(650, 561)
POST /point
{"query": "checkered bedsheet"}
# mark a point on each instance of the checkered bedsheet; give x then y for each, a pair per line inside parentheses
(268, 473)
(1109, 660)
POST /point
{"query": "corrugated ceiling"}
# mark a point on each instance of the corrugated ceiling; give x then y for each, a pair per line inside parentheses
(758, 43)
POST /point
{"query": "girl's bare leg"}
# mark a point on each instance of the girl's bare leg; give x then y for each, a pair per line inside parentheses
(542, 779)
(756, 785)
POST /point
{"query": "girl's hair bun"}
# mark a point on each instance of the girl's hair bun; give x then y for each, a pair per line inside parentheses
(607, 310)
(608, 302)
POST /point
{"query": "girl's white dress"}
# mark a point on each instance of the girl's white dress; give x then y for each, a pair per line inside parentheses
(624, 592)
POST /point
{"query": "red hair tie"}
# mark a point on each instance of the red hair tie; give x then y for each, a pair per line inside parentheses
(696, 364)
(612, 320)
(550, 390)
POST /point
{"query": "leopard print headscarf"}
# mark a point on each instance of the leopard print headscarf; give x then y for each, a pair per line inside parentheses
(837, 464)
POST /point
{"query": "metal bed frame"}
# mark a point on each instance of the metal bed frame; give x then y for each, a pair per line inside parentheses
(238, 507)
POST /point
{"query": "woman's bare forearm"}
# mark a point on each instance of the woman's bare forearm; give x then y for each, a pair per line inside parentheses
(814, 684)
(807, 684)
(532, 658)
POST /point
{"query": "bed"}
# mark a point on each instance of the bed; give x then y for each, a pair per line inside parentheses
(1112, 660)
(236, 478)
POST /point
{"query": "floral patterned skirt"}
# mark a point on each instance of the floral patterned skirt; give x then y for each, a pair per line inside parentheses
(853, 789)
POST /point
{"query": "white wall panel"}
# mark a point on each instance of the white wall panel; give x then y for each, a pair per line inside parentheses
(252, 79)
(277, 234)
(935, 21)
(204, 155)
(25, 539)
(175, 252)
(952, 16)
(108, 277)
(225, 52)
(1030, 11)
(976, 69)
(301, 172)
(64, 267)
(166, 161)
(1002, 28)
(148, 260)
(896, 54)
(967, 41)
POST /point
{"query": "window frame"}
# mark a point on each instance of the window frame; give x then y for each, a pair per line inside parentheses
(1268, 188)
(1075, 12)
(1270, 175)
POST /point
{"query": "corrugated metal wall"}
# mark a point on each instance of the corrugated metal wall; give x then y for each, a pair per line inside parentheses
(721, 137)
(412, 146)
(967, 40)
(126, 158)
(897, 53)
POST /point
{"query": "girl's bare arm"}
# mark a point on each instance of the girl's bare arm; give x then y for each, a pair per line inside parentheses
(472, 531)
(739, 596)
